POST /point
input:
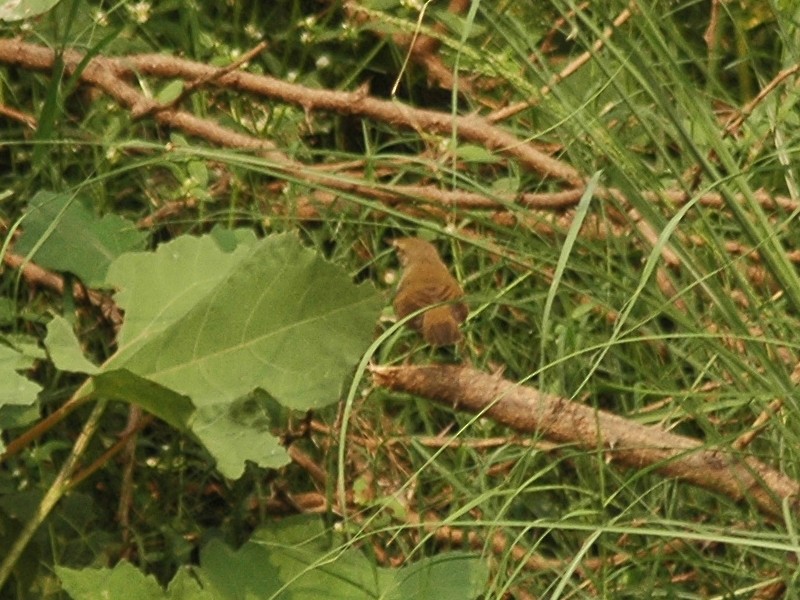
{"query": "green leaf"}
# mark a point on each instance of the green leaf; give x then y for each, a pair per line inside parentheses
(64, 348)
(236, 432)
(13, 416)
(242, 573)
(170, 91)
(229, 239)
(123, 581)
(506, 185)
(18, 10)
(304, 560)
(295, 553)
(18, 393)
(476, 154)
(214, 326)
(27, 347)
(448, 576)
(157, 289)
(121, 384)
(61, 234)
(198, 172)
(280, 318)
(16, 389)
(185, 586)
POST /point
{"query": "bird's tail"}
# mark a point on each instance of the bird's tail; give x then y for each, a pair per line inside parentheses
(439, 327)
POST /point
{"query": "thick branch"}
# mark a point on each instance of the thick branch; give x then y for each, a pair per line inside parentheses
(628, 443)
(358, 103)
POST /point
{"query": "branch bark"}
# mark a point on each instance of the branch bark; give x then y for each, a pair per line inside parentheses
(525, 409)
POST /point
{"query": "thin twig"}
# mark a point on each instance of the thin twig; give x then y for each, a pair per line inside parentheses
(571, 68)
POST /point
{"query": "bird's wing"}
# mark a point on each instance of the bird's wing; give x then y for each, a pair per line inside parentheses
(420, 296)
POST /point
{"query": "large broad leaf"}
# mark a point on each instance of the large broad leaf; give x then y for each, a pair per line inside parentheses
(125, 582)
(210, 319)
(115, 384)
(448, 576)
(280, 318)
(210, 326)
(166, 404)
(59, 233)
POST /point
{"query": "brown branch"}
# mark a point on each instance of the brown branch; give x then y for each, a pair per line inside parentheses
(17, 115)
(40, 428)
(304, 502)
(735, 123)
(123, 444)
(103, 73)
(498, 542)
(35, 275)
(166, 211)
(107, 73)
(548, 42)
(500, 545)
(201, 81)
(766, 415)
(359, 103)
(470, 127)
(392, 195)
(422, 48)
(711, 34)
(525, 409)
(303, 460)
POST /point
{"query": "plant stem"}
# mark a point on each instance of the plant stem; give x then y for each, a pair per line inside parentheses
(61, 485)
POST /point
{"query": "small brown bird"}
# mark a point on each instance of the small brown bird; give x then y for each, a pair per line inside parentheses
(427, 281)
